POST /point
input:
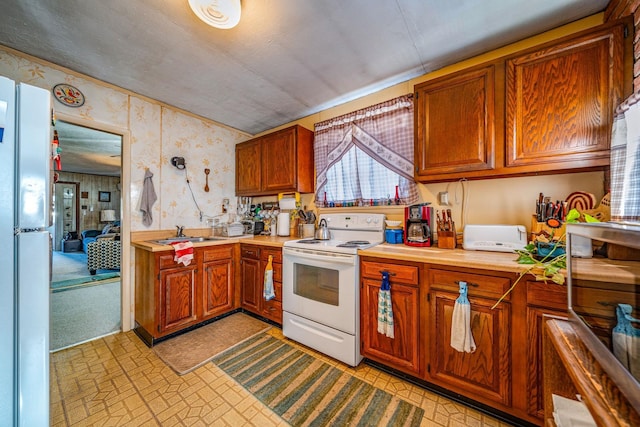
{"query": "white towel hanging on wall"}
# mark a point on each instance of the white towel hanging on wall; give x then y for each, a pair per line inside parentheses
(461, 336)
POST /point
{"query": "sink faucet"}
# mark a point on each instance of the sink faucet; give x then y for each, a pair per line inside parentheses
(179, 232)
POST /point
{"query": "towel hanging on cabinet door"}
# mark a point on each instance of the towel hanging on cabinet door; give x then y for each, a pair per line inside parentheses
(461, 336)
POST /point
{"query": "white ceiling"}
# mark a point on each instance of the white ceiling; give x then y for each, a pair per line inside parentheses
(85, 150)
(285, 60)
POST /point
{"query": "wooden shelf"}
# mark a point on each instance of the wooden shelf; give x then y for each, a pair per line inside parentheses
(571, 368)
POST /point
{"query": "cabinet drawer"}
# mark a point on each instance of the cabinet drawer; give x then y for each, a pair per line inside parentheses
(399, 273)
(217, 252)
(547, 295)
(275, 252)
(478, 285)
(165, 260)
(272, 308)
(250, 252)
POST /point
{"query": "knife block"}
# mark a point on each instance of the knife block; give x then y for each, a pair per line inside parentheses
(447, 239)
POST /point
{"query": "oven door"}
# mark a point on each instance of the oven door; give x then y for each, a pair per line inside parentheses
(321, 286)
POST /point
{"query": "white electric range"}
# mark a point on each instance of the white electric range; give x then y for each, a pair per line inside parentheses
(320, 289)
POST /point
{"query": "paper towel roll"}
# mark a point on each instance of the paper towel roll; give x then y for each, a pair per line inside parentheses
(287, 203)
(283, 224)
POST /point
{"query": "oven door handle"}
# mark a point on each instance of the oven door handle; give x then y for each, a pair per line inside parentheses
(315, 256)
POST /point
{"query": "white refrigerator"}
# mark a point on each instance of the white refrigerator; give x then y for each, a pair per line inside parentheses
(25, 261)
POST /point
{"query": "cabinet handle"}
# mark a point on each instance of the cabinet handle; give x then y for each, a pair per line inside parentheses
(475, 285)
(391, 273)
(606, 303)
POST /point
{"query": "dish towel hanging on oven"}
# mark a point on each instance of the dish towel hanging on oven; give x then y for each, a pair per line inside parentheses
(626, 340)
(461, 336)
(385, 311)
(268, 292)
(183, 252)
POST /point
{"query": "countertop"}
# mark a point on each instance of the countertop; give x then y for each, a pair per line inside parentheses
(598, 269)
(275, 241)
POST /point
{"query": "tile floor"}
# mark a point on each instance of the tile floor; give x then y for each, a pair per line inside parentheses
(117, 380)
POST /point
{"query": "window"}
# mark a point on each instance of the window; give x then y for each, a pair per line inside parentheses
(363, 157)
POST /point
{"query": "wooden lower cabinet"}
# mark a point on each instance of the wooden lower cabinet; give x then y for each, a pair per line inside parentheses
(484, 374)
(177, 299)
(253, 262)
(217, 280)
(403, 351)
(170, 296)
(251, 278)
(504, 372)
(543, 299)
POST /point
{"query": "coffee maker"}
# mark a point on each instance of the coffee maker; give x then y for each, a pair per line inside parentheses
(417, 230)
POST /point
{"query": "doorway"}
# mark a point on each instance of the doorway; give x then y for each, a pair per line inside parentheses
(88, 206)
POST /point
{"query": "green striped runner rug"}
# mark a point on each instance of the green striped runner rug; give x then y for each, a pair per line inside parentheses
(306, 391)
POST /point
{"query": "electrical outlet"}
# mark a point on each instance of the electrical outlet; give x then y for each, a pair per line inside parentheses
(443, 198)
(225, 205)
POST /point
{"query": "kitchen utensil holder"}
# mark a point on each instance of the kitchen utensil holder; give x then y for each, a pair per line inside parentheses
(447, 239)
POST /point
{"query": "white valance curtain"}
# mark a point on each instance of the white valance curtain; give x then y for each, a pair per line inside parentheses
(384, 132)
(625, 161)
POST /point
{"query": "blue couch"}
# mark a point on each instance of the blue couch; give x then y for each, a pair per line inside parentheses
(89, 236)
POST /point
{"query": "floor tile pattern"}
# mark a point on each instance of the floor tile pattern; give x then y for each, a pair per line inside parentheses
(116, 380)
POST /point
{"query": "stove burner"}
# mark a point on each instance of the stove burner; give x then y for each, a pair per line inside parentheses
(353, 244)
(309, 241)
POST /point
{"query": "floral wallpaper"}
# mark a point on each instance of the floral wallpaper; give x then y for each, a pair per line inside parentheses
(157, 133)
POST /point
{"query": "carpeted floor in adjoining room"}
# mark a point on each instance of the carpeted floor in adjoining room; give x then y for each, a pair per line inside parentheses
(84, 313)
(68, 265)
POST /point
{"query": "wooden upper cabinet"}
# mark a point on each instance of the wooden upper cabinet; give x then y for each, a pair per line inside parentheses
(248, 170)
(454, 123)
(279, 162)
(560, 101)
(547, 109)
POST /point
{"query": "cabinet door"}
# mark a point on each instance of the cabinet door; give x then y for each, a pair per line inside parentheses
(251, 284)
(177, 298)
(248, 168)
(484, 374)
(455, 129)
(535, 380)
(560, 102)
(400, 352)
(217, 281)
(279, 162)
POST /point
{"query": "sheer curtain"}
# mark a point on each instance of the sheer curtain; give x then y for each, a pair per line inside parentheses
(625, 161)
(365, 154)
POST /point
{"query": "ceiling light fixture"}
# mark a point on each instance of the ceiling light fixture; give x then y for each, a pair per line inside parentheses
(222, 14)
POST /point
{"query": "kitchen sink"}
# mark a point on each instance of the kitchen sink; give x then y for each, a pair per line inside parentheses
(187, 239)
